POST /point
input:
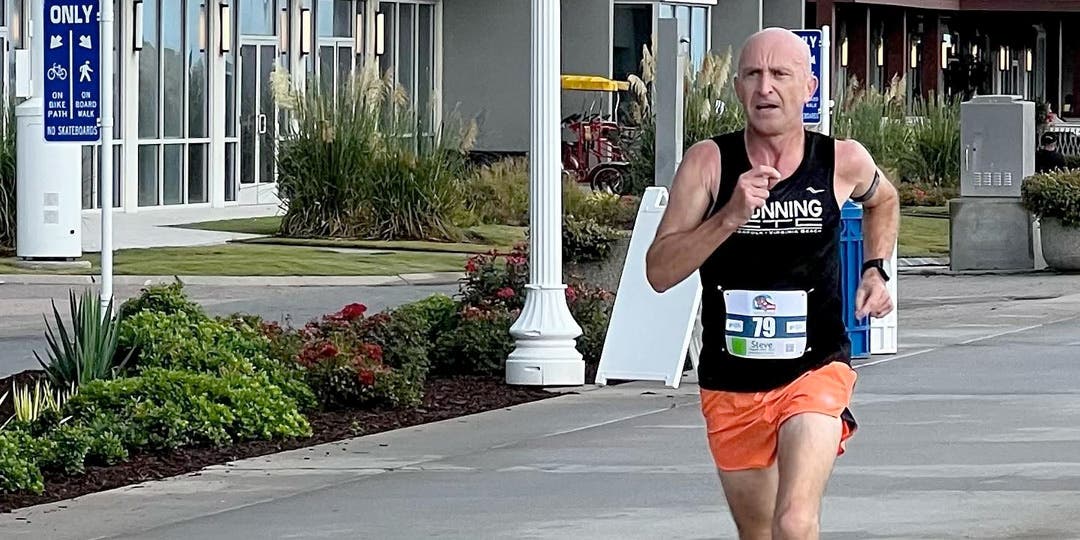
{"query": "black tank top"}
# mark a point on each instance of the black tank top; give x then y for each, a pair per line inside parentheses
(793, 243)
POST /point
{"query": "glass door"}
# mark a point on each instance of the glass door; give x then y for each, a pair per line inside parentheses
(258, 122)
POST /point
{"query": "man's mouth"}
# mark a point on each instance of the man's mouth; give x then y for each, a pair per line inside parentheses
(767, 106)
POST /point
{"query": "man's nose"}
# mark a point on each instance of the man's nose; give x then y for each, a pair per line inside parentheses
(765, 85)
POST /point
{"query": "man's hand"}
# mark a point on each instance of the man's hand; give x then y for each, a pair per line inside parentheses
(751, 192)
(872, 297)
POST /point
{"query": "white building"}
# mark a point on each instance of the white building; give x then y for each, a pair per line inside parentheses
(195, 122)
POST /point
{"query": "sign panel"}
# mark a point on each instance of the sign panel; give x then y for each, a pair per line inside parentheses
(72, 60)
(812, 110)
(650, 333)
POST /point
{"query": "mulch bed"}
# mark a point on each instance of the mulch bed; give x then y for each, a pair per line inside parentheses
(443, 398)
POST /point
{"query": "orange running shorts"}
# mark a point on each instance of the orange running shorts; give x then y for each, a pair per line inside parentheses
(743, 427)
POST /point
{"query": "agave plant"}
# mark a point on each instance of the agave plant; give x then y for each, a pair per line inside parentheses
(28, 407)
(86, 351)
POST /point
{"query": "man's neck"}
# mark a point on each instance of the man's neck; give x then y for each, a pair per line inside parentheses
(775, 150)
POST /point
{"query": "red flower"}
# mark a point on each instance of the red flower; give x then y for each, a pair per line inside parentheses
(571, 294)
(351, 312)
(373, 351)
(505, 293)
(366, 377)
(470, 266)
(328, 350)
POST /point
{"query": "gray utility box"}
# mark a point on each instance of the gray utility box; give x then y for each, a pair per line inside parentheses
(997, 141)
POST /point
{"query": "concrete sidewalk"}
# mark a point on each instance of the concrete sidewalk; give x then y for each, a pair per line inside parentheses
(156, 227)
(969, 432)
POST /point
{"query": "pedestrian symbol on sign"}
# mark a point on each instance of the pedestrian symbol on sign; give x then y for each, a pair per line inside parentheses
(84, 71)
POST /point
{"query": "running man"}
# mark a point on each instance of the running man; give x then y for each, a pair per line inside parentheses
(757, 211)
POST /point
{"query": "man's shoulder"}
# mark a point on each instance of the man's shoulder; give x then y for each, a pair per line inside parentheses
(853, 160)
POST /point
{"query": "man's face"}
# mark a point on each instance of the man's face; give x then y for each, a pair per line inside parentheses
(774, 83)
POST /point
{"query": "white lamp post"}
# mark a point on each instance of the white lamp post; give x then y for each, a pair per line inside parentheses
(545, 332)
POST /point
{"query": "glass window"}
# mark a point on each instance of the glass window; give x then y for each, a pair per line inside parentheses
(197, 98)
(344, 67)
(230, 172)
(230, 95)
(172, 45)
(148, 73)
(326, 68)
(197, 173)
(173, 172)
(425, 65)
(257, 17)
(335, 18)
(387, 59)
(148, 175)
(699, 35)
(405, 48)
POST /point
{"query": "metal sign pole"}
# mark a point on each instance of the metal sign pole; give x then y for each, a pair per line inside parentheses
(106, 179)
(825, 82)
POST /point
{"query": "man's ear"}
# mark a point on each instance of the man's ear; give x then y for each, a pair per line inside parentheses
(811, 86)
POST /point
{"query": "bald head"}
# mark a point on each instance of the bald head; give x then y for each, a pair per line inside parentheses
(775, 80)
(776, 45)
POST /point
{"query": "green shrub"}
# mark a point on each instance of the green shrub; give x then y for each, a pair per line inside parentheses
(920, 194)
(1072, 162)
(934, 154)
(87, 350)
(68, 446)
(477, 344)
(167, 409)
(19, 471)
(492, 279)
(499, 193)
(344, 365)
(168, 299)
(877, 120)
(354, 165)
(200, 344)
(106, 443)
(586, 240)
(615, 211)
(8, 218)
(1054, 195)
(591, 308)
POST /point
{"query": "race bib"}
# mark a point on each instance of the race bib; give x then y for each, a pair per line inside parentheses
(766, 324)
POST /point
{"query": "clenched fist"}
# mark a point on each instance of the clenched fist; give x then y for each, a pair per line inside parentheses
(751, 192)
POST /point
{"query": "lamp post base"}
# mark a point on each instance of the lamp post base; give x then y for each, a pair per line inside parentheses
(546, 353)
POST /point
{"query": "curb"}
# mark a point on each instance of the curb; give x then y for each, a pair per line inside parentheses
(435, 278)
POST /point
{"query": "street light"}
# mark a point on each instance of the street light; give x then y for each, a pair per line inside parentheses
(226, 27)
(545, 352)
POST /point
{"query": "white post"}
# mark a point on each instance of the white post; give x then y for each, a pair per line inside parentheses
(106, 179)
(826, 81)
(545, 331)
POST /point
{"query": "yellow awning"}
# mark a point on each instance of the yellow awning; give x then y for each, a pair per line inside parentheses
(590, 82)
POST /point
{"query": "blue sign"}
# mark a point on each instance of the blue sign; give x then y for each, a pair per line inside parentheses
(72, 61)
(812, 110)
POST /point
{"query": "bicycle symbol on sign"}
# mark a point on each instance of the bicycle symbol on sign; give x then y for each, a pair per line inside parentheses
(57, 72)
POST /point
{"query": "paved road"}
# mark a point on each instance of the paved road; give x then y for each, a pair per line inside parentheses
(971, 431)
(22, 306)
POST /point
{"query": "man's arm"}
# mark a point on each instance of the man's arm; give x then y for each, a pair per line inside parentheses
(685, 239)
(860, 179)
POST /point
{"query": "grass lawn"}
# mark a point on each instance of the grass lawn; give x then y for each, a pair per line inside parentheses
(483, 239)
(258, 260)
(923, 237)
(942, 211)
(259, 225)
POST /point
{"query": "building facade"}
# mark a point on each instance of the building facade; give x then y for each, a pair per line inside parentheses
(196, 123)
(959, 47)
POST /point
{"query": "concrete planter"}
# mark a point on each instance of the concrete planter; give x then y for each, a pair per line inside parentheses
(605, 273)
(1060, 244)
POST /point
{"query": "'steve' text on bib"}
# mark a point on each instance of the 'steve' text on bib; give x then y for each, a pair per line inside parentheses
(766, 324)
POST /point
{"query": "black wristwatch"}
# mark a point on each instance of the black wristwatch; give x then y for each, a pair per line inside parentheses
(879, 265)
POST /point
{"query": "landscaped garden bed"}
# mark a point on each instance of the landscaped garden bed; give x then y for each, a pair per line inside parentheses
(161, 388)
